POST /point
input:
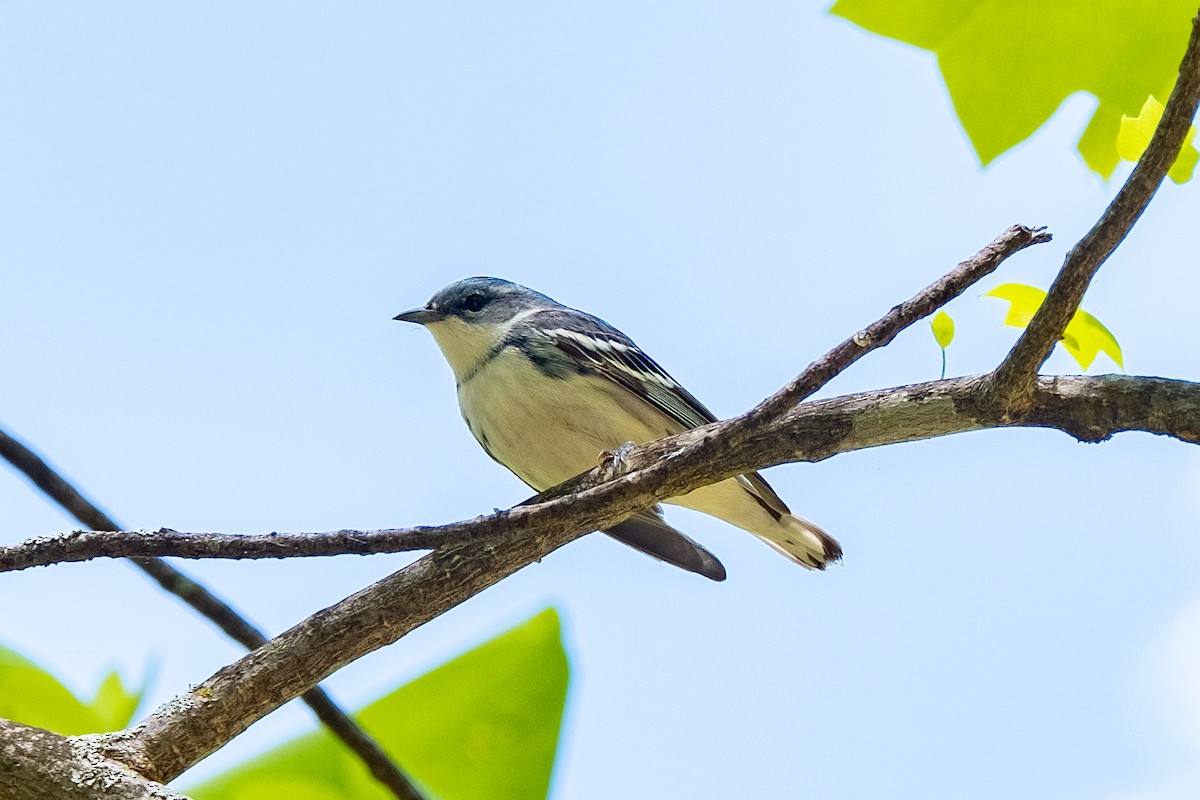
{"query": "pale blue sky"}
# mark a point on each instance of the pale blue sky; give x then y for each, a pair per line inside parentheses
(212, 211)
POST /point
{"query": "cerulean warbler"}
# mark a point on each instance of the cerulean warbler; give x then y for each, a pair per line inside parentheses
(547, 389)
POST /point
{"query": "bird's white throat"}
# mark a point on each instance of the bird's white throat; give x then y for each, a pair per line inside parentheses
(464, 345)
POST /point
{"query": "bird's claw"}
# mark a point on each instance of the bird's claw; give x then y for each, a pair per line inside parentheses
(613, 462)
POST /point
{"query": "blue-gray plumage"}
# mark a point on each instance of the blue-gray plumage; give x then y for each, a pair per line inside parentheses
(545, 389)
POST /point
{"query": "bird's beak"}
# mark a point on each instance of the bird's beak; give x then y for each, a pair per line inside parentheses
(421, 316)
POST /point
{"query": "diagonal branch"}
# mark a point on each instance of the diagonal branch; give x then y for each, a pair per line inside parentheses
(1014, 378)
(883, 331)
(213, 608)
(1088, 408)
(726, 436)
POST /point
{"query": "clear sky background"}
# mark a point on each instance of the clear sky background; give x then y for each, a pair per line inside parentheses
(210, 212)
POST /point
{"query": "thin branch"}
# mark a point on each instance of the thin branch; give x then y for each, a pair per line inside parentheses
(726, 436)
(1014, 378)
(58, 489)
(883, 331)
(1122, 403)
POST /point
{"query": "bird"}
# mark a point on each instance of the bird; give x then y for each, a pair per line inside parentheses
(547, 390)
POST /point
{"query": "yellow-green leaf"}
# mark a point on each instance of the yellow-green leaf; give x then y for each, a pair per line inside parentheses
(943, 329)
(31, 695)
(1135, 134)
(1085, 336)
(483, 725)
(1008, 67)
(114, 705)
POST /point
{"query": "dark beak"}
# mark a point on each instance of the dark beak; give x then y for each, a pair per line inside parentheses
(421, 316)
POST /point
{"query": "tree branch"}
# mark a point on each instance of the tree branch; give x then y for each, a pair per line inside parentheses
(1089, 408)
(58, 489)
(883, 331)
(1014, 378)
(36, 764)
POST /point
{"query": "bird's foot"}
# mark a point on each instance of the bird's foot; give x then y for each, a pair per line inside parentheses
(613, 462)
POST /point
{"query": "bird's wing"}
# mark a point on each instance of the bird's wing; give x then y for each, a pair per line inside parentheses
(608, 352)
(605, 351)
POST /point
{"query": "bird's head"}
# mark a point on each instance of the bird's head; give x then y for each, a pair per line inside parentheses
(470, 317)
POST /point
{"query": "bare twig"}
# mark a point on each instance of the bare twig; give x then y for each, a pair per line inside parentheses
(213, 608)
(1113, 404)
(1014, 378)
(728, 435)
(882, 332)
(186, 730)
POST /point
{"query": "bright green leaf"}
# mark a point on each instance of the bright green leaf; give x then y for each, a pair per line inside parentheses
(483, 725)
(33, 696)
(1085, 336)
(1008, 67)
(943, 329)
(113, 705)
(1135, 135)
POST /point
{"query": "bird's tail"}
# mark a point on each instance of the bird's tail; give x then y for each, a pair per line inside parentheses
(801, 541)
(649, 532)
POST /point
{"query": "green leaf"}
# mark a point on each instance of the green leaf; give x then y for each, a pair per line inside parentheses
(1085, 336)
(942, 325)
(31, 695)
(113, 705)
(1008, 67)
(1135, 134)
(483, 725)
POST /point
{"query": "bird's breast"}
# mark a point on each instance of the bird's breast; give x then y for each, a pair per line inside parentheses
(548, 429)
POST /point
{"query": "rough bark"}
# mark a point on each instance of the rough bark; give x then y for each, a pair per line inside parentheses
(36, 764)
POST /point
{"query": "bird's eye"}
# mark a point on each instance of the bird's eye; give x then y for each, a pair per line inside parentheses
(474, 302)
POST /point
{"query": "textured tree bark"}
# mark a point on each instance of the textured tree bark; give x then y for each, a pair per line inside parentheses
(36, 764)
